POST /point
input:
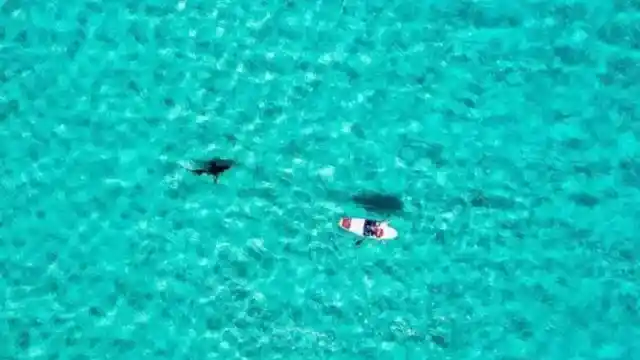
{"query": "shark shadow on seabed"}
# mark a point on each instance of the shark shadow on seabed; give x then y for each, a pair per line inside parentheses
(379, 202)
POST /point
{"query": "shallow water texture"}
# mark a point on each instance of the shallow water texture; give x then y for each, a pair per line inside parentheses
(508, 129)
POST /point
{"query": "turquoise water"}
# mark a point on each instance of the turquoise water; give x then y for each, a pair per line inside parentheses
(508, 129)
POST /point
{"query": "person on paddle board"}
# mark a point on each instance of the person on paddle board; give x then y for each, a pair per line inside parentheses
(380, 231)
(371, 229)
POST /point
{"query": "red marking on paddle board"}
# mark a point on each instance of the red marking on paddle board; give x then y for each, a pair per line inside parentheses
(346, 223)
(379, 232)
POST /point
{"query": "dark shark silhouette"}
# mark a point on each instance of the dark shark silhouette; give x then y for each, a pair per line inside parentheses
(377, 202)
(214, 167)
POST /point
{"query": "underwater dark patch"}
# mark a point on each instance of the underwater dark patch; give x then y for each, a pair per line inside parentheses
(440, 341)
(213, 167)
(378, 202)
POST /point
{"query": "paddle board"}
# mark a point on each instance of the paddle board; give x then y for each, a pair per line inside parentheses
(356, 226)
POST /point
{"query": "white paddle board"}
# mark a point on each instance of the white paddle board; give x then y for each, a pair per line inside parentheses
(356, 226)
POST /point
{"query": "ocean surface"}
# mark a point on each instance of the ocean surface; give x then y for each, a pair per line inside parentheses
(509, 130)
